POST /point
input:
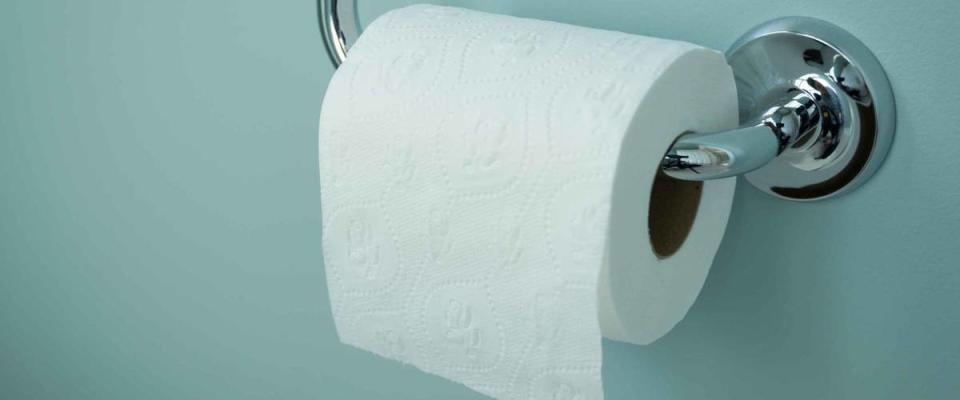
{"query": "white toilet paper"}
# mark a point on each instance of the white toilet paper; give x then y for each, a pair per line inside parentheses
(486, 195)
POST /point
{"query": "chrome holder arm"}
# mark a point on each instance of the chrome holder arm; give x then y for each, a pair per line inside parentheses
(821, 109)
(337, 35)
(715, 155)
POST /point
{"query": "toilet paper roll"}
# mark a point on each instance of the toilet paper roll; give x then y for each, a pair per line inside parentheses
(491, 198)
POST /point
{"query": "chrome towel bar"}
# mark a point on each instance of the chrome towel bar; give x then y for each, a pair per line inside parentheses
(817, 109)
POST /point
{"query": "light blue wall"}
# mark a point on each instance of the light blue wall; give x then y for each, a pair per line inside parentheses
(160, 216)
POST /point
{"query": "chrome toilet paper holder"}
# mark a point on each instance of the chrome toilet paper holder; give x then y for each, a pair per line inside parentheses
(818, 113)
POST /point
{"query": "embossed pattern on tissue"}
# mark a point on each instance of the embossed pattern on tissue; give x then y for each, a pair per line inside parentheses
(412, 250)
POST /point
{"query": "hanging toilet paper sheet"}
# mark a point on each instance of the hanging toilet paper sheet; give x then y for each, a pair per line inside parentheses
(491, 199)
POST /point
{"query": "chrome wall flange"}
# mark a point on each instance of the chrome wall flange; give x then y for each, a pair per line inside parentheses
(843, 139)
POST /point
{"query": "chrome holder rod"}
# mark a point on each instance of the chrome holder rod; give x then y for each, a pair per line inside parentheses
(715, 155)
(819, 108)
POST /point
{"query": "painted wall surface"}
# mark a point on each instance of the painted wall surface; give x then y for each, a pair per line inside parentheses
(160, 216)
